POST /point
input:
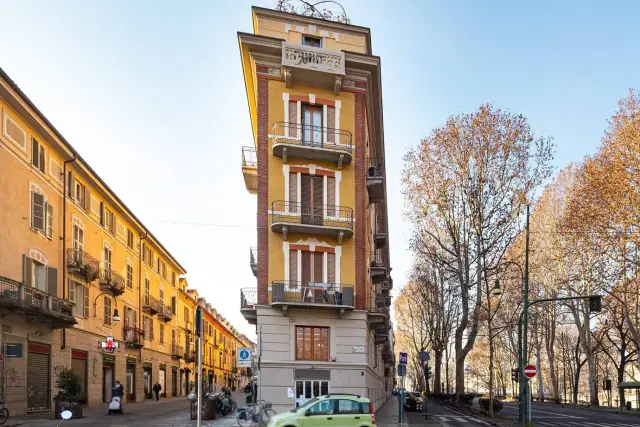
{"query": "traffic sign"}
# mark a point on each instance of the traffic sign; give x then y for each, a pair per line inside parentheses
(402, 370)
(530, 371)
(244, 357)
(403, 358)
(424, 356)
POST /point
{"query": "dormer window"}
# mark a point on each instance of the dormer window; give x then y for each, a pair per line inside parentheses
(312, 41)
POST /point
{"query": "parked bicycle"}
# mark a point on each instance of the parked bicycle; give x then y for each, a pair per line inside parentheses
(259, 414)
(4, 413)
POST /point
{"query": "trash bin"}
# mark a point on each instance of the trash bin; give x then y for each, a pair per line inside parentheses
(208, 410)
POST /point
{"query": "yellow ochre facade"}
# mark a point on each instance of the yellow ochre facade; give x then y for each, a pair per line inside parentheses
(73, 258)
(316, 165)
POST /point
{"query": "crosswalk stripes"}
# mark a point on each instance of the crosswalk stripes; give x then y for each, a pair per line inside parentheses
(460, 419)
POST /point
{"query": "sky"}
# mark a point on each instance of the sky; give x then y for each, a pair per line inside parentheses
(151, 94)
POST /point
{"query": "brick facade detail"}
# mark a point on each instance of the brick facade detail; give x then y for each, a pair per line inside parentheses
(361, 203)
(263, 191)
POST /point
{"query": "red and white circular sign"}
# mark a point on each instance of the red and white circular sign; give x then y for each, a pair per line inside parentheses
(530, 371)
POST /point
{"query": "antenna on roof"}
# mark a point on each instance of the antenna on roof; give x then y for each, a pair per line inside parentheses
(309, 9)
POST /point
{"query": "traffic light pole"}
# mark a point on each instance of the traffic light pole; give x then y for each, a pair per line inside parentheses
(522, 345)
(594, 306)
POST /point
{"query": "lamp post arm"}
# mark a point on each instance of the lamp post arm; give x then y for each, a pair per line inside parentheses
(95, 303)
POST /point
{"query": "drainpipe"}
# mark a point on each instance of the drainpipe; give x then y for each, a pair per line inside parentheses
(146, 234)
(63, 343)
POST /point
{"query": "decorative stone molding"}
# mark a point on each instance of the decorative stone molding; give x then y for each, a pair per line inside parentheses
(312, 58)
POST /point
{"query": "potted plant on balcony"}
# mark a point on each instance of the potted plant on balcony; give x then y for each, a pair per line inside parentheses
(70, 396)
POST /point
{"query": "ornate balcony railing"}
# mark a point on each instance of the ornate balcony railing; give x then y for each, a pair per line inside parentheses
(318, 137)
(312, 58)
(151, 305)
(177, 352)
(189, 356)
(312, 215)
(375, 179)
(326, 294)
(78, 261)
(249, 158)
(111, 281)
(33, 302)
(248, 297)
(188, 326)
(253, 260)
(165, 313)
(133, 336)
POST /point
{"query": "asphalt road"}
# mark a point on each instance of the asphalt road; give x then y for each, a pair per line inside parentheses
(444, 416)
(549, 415)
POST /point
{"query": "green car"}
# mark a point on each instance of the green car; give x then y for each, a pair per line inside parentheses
(337, 410)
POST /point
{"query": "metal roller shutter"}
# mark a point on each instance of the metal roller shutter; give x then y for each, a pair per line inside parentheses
(38, 377)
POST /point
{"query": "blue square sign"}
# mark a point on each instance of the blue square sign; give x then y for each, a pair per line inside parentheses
(403, 358)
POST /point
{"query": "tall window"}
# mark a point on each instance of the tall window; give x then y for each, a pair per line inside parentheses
(79, 295)
(78, 235)
(41, 212)
(80, 194)
(312, 343)
(161, 333)
(161, 296)
(129, 239)
(107, 310)
(129, 275)
(106, 257)
(312, 124)
(38, 155)
(147, 287)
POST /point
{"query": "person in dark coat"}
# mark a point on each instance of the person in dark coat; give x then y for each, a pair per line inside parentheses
(157, 389)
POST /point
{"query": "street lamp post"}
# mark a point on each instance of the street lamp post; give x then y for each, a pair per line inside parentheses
(116, 315)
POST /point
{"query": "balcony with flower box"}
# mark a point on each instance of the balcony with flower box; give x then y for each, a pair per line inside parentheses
(80, 262)
(151, 305)
(112, 282)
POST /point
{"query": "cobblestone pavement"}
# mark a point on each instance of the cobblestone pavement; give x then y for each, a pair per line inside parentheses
(166, 413)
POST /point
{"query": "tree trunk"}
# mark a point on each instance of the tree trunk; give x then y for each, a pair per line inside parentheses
(539, 374)
(446, 372)
(437, 374)
(620, 379)
(491, 351)
(591, 364)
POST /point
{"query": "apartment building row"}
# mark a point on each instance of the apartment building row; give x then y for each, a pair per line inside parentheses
(317, 166)
(76, 267)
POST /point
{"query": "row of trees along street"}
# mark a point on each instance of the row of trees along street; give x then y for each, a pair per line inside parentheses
(466, 189)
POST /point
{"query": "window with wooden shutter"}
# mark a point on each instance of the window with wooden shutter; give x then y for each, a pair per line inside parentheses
(38, 155)
(86, 301)
(161, 333)
(27, 270)
(49, 221)
(306, 267)
(318, 264)
(52, 281)
(293, 266)
(87, 199)
(331, 268)
(293, 193)
(71, 185)
(102, 215)
(331, 124)
(37, 211)
(318, 193)
(107, 310)
(293, 119)
(71, 291)
(331, 196)
(129, 239)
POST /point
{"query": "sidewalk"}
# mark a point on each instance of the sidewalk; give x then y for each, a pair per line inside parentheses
(613, 410)
(387, 415)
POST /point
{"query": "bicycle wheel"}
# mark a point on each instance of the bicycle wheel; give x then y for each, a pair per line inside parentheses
(265, 416)
(4, 415)
(245, 418)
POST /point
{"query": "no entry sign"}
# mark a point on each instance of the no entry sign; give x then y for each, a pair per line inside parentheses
(530, 371)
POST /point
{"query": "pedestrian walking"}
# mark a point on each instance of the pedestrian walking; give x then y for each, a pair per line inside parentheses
(157, 389)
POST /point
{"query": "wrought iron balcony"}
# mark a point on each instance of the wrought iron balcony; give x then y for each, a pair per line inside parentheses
(380, 228)
(297, 217)
(188, 326)
(253, 260)
(250, 169)
(78, 261)
(133, 336)
(375, 179)
(248, 301)
(189, 356)
(110, 281)
(165, 313)
(303, 141)
(317, 295)
(177, 352)
(379, 266)
(151, 305)
(313, 66)
(20, 298)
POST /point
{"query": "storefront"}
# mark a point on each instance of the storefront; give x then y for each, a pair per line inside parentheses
(162, 380)
(310, 383)
(79, 367)
(130, 380)
(174, 381)
(108, 376)
(147, 378)
(38, 377)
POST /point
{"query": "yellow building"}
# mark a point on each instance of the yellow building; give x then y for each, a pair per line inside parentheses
(317, 166)
(77, 266)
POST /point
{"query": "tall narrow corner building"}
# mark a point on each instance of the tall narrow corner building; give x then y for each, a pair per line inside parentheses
(317, 166)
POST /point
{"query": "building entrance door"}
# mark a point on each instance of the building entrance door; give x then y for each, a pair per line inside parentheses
(147, 382)
(107, 382)
(308, 389)
(162, 381)
(174, 382)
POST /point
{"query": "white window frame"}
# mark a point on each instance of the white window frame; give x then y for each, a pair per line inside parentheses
(77, 223)
(35, 188)
(107, 245)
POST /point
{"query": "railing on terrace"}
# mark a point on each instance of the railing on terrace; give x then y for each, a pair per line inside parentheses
(112, 280)
(306, 135)
(311, 214)
(18, 295)
(80, 261)
(289, 291)
(249, 157)
(375, 167)
(133, 335)
(151, 304)
(248, 297)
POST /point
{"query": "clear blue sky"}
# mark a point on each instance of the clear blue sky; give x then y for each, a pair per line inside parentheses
(151, 94)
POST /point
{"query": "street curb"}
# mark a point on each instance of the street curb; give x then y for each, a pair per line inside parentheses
(588, 408)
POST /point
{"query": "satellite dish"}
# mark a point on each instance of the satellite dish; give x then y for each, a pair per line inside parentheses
(66, 415)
